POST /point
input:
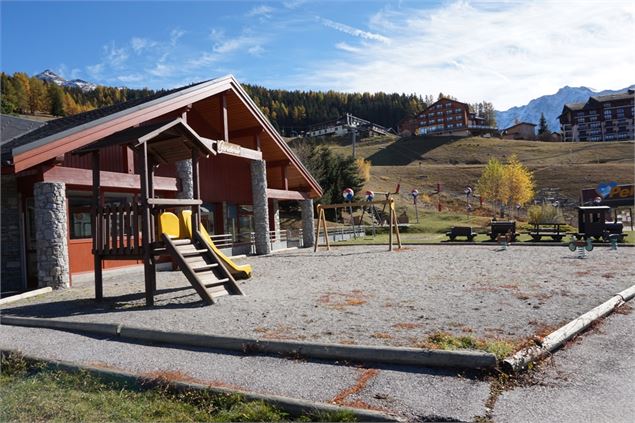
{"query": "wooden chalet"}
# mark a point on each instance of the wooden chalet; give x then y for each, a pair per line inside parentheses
(85, 191)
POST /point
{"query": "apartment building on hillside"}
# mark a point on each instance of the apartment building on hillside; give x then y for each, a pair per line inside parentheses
(601, 118)
(450, 117)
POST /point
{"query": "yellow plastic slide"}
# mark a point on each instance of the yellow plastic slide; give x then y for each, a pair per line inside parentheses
(237, 271)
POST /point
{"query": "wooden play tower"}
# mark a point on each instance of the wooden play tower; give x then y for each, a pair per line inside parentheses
(130, 231)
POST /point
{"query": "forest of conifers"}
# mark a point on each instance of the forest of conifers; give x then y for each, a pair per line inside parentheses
(290, 112)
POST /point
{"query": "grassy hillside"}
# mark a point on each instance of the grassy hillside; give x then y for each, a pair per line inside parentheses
(421, 162)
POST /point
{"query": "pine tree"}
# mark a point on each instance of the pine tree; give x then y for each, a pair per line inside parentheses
(56, 100)
(543, 129)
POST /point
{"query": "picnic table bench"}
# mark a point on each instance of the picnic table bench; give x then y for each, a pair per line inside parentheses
(465, 231)
(547, 229)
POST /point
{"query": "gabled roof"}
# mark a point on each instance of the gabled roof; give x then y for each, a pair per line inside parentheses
(69, 123)
(613, 97)
(14, 126)
(69, 134)
(519, 124)
(444, 99)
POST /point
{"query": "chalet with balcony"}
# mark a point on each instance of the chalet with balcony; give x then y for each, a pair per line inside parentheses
(450, 117)
(601, 118)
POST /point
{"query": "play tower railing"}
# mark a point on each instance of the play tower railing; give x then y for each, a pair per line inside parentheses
(129, 231)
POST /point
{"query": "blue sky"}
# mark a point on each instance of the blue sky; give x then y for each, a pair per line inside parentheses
(504, 52)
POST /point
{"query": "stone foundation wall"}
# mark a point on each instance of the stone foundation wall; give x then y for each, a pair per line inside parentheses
(11, 237)
(184, 175)
(51, 233)
(308, 223)
(261, 208)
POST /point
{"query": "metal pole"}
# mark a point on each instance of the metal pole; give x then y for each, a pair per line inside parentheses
(354, 136)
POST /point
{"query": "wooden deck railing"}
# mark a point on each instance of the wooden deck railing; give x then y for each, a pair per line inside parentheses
(118, 230)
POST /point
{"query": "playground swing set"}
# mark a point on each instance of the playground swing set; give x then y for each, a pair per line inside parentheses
(348, 194)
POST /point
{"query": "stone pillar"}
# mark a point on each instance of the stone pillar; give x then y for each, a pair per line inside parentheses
(275, 208)
(51, 234)
(261, 208)
(11, 245)
(308, 223)
(185, 176)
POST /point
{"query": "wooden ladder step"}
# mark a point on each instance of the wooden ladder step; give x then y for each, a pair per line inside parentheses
(181, 242)
(219, 293)
(203, 267)
(192, 253)
(219, 282)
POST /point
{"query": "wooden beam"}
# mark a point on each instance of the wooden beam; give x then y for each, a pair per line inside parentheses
(245, 132)
(278, 163)
(174, 202)
(285, 177)
(82, 177)
(223, 116)
(94, 217)
(280, 194)
(128, 155)
(237, 151)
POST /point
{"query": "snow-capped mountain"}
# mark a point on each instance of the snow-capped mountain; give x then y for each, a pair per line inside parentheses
(551, 105)
(50, 76)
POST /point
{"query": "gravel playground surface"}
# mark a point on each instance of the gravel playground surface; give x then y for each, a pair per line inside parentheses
(367, 295)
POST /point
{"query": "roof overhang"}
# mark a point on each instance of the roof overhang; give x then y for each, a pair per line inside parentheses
(50, 147)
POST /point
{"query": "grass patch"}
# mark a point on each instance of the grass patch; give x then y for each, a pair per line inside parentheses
(30, 391)
(446, 341)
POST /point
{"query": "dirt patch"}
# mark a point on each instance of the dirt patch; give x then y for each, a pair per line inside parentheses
(360, 384)
(406, 325)
(340, 300)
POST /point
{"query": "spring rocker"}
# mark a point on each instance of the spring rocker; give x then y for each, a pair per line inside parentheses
(349, 195)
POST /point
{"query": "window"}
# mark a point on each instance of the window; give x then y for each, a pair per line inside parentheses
(458, 110)
(438, 106)
(607, 114)
(607, 104)
(448, 105)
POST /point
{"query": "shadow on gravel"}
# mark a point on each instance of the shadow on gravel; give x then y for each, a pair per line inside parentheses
(121, 303)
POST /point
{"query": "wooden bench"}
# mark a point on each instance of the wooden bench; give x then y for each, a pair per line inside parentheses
(502, 227)
(465, 231)
(547, 229)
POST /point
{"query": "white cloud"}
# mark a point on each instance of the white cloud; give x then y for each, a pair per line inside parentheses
(347, 47)
(507, 53)
(161, 70)
(245, 42)
(175, 34)
(113, 56)
(139, 44)
(95, 71)
(353, 31)
(262, 11)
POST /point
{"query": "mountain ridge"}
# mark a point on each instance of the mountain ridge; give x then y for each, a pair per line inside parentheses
(50, 76)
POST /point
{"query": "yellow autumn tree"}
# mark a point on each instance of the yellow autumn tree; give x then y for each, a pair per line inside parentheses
(364, 168)
(519, 181)
(491, 185)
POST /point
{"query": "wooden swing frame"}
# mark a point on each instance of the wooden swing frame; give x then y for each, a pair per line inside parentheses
(392, 220)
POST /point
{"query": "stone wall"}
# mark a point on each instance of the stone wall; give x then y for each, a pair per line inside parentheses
(51, 233)
(11, 242)
(308, 223)
(261, 208)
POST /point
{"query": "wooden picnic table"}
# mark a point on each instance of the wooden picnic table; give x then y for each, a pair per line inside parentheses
(547, 229)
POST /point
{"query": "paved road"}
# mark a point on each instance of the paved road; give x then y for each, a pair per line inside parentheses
(413, 393)
(592, 380)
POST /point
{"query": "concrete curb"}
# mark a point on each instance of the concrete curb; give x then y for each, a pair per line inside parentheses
(94, 328)
(293, 406)
(28, 294)
(469, 360)
(481, 244)
(522, 359)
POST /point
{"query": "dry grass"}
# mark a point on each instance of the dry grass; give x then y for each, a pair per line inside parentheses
(406, 325)
(360, 384)
(341, 300)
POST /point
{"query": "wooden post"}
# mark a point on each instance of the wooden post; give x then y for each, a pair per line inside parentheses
(196, 193)
(317, 230)
(392, 202)
(223, 116)
(326, 231)
(391, 218)
(148, 268)
(95, 225)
